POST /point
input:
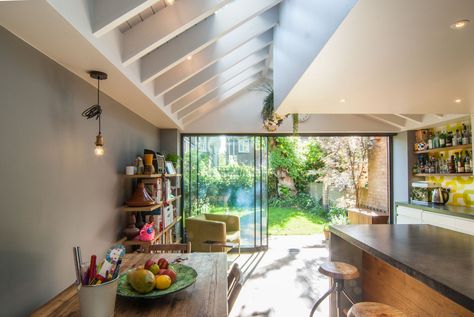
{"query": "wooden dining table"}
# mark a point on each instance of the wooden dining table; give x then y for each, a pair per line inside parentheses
(207, 297)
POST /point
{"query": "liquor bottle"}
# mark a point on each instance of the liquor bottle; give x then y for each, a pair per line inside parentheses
(465, 136)
(467, 163)
(442, 139)
(451, 165)
(459, 137)
(441, 164)
(449, 139)
(455, 138)
(436, 140)
(430, 142)
(460, 164)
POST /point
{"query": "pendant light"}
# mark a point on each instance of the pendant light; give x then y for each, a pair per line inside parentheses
(95, 111)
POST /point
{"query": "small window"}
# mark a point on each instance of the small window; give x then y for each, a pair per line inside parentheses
(244, 146)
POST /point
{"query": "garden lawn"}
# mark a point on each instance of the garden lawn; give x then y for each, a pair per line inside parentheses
(292, 221)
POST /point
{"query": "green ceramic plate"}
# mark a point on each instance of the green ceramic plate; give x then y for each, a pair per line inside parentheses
(185, 277)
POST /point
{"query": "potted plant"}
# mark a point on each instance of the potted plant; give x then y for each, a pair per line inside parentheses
(173, 158)
(326, 231)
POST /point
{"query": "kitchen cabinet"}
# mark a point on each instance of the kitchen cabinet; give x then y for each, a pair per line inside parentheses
(407, 215)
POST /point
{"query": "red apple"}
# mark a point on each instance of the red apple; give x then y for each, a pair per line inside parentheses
(148, 264)
(163, 263)
(162, 271)
(171, 273)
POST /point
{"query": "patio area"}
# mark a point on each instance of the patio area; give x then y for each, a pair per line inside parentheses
(283, 281)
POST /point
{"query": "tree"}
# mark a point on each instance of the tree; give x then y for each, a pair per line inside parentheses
(346, 162)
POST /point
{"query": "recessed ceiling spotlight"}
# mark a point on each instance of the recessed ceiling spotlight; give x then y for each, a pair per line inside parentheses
(190, 57)
(457, 100)
(459, 25)
(169, 2)
(342, 100)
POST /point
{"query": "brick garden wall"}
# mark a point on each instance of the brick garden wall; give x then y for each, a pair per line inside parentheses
(376, 195)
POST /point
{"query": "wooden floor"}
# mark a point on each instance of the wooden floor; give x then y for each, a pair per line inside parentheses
(283, 281)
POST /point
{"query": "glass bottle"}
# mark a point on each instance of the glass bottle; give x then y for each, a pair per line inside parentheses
(442, 139)
(467, 163)
(451, 165)
(449, 139)
(441, 163)
(465, 136)
(436, 141)
(455, 138)
(460, 164)
(459, 136)
(430, 141)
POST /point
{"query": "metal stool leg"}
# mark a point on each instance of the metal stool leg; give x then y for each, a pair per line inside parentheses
(320, 300)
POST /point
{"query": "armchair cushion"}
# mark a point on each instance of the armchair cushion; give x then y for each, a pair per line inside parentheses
(204, 227)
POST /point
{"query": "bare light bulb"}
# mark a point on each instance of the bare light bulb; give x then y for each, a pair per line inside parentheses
(99, 145)
(99, 150)
(169, 2)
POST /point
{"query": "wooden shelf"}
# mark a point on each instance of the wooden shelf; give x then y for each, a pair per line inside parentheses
(138, 176)
(149, 208)
(446, 174)
(142, 209)
(157, 237)
(446, 149)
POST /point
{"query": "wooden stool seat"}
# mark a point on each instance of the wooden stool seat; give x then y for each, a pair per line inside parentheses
(371, 309)
(339, 270)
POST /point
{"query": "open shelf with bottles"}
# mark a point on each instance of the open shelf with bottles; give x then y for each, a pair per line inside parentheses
(446, 149)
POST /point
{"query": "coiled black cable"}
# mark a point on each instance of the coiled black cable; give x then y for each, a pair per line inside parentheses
(94, 111)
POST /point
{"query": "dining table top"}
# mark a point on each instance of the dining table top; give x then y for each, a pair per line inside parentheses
(206, 297)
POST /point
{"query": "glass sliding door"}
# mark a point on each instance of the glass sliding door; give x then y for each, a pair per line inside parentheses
(226, 175)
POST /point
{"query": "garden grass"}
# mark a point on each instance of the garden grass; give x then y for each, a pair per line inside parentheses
(292, 221)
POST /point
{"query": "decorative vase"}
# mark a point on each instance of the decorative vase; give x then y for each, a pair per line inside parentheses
(149, 168)
(140, 197)
(131, 231)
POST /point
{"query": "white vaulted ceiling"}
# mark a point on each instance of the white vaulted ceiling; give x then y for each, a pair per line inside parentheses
(166, 62)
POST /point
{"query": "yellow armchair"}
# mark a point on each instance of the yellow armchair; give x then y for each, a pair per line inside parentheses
(212, 227)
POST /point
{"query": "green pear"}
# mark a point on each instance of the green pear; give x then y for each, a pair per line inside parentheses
(141, 280)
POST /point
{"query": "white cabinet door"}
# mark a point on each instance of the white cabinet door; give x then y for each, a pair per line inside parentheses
(448, 222)
(407, 215)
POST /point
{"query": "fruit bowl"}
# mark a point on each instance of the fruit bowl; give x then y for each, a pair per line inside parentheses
(185, 277)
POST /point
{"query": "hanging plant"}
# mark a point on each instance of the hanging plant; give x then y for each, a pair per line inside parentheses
(268, 110)
(295, 123)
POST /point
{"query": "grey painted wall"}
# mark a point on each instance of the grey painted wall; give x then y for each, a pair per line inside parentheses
(402, 162)
(297, 44)
(54, 192)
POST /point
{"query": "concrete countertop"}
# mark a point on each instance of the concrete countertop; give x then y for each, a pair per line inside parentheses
(457, 211)
(440, 258)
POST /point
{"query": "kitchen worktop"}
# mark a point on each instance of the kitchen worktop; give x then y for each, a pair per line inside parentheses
(441, 259)
(457, 211)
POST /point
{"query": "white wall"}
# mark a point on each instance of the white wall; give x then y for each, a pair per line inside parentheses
(241, 114)
(297, 44)
(401, 167)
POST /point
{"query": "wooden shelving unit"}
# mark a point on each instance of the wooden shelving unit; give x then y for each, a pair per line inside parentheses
(446, 149)
(165, 235)
(445, 174)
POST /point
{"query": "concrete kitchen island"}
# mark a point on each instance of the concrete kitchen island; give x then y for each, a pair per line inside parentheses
(422, 270)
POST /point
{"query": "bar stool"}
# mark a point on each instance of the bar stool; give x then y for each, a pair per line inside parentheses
(372, 309)
(338, 271)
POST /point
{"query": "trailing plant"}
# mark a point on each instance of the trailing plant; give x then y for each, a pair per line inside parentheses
(295, 124)
(268, 107)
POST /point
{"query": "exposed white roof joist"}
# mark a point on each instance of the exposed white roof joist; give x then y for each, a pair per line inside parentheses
(230, 62)
(107, 15)
(256, 64)
(237, 42)
(220, 90)
(166, 25)
(203, 34)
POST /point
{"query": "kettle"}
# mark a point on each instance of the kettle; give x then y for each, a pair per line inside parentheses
(440, 195)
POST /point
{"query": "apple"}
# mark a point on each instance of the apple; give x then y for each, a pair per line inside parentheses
(162, 271)
(148, 264)
(154, 268)
(163, 263)
(170, 272)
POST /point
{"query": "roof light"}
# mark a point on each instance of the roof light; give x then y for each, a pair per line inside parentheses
(459, 25)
